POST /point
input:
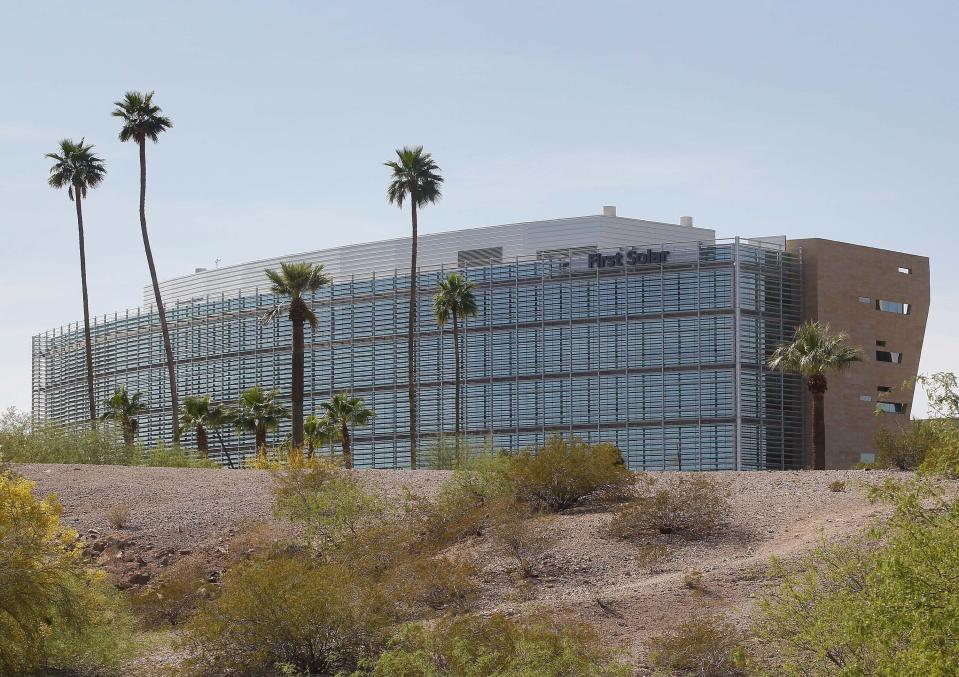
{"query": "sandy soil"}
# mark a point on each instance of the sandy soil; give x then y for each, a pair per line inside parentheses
(587, 573)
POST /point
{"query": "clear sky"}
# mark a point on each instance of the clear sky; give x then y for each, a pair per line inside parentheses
(829, 119)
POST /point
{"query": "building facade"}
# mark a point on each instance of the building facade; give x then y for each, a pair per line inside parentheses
(648, 335)
(879, 298)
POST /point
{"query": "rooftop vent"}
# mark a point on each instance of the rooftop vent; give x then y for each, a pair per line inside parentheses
(609, 210)
(199, 270)
(686, 221)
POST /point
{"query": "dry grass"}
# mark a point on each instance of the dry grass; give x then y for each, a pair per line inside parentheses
(118, 516)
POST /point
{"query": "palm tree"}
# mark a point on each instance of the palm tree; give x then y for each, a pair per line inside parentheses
(812, 353)
(319, 431)
(295, 280)
(454, 300)
(77, 168)
(124, 409)
(416, 177)
(141, 121)
(258, 413)
(195, 414)
(347, 411)
(217, 417)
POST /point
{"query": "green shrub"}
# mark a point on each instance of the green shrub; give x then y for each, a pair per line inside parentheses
(163, 456)
(330, 502)
(688, 505)
(707, 646)
(521, 536)
(23, 441)
(563, 471)
(907, 447)
(886, 604)
(291, 613)
(472, 646)
(174, 598)
(55, 615)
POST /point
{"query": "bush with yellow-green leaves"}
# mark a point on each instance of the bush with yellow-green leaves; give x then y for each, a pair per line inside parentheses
(56, 615)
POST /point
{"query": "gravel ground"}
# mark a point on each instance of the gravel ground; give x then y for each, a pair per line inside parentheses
(586, 572)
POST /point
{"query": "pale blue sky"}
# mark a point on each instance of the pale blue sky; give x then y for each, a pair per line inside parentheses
(821, 119)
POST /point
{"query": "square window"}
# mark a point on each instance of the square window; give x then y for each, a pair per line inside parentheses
(891, 407)
(867, 457)
(887, 356)
(866, 398)
(865, 299)
(881, 344)
(884, 389)
(905, 271)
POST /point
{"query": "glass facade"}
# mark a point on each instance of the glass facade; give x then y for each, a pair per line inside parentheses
(664, 360)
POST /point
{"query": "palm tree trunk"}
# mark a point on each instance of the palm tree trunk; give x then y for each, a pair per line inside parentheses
(456, 381)
(165, 330)
(297, 414)
(410, 336)
(310, 449)
(229, 459)
(347, 447)
(818, 431)
(261, 439)
(202, 441)
(128, 433)
(86, 311)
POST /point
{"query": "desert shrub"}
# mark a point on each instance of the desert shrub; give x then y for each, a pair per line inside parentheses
(118, 516)
(288, 612)
(651, 557)
(174, 598)
(330, 502)
(163, 456)
(563, 471)
(473, 646)
(887, 603)
(689, 505)
(24, 441)
(421, 585)
(837, 486)
(707, 646)
(55, 615)
(907, 447)
(693, 580)
(467, 504)
(521, 536)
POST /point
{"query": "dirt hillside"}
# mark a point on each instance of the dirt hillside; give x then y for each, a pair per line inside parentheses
(178, 513)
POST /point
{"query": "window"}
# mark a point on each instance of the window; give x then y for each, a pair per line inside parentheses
(866, 398)
(891, 407)
(881, 344)
(905, 271)
(884, 389)
(867, 457)
(865, 299)
(892, 307)
(886, 356)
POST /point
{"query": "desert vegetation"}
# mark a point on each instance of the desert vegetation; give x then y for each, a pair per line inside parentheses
(386, 580)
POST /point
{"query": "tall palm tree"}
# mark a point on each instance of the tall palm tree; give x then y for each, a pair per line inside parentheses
(141, 121)
(124, 409)
(347, 411)
(258, 412)
(455, 299)
(415, 177)
(77, 168)
(295, 280)
(812, 353)
(319, 431)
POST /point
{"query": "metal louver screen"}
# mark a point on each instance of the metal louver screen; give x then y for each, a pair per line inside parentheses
(479, 257)
(569, 252)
